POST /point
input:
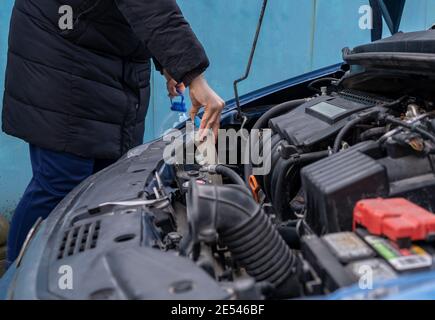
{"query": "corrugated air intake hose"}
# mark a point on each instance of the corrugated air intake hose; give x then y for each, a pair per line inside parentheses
(231, 212)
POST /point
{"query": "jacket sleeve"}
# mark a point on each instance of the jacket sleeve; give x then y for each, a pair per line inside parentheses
(162, 28)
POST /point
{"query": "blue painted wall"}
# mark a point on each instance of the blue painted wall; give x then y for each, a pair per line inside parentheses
(14, 163)
(298, 36)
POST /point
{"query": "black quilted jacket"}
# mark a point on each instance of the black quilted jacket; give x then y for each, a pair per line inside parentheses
(86, 91)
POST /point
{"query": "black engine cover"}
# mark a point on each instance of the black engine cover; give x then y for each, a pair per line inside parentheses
(321, 117)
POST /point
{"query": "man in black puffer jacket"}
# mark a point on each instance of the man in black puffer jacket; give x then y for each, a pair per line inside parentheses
(79, 96)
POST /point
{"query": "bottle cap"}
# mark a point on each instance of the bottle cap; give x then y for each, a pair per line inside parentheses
(179, 106)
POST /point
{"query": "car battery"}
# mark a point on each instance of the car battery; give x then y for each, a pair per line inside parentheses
(341, 259)
(418, 256)
(325, 264)
(347, 246)
(379, 269)
(391, 237)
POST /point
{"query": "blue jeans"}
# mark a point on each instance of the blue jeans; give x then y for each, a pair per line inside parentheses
(55, 174)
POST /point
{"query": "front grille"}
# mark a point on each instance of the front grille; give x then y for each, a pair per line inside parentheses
(79, 239)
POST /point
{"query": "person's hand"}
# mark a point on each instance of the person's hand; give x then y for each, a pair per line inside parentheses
(173, 86)
(203, 96)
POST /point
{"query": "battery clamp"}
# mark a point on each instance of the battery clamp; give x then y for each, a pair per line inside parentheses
(397, 219)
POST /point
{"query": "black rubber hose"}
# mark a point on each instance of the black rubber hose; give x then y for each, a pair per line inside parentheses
(230, 174)
(421, 131)
(363, 117)
(273, 159)
(277, 194)
(242, 225)
(283, 182)
(280, 171)
(276, 111)
(345, 130)
(263, 121)
(290, 236)
(372, 133)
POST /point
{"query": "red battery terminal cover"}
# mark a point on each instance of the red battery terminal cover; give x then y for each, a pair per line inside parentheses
(397, 219)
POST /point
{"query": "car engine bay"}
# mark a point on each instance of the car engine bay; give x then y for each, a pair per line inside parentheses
(344, 147)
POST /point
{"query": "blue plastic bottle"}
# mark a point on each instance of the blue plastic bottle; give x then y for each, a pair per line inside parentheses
(180, 107)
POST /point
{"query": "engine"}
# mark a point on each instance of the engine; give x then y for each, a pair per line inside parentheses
(379, 160)
(329, 152)
(350, 147)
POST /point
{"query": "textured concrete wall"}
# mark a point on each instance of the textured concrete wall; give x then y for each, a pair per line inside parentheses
(298, 36)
